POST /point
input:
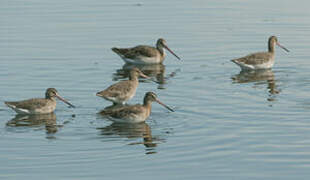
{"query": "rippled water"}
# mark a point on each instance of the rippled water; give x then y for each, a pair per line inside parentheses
(227, 125)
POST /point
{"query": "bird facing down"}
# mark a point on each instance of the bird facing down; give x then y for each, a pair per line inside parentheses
(121, 92)
(38, 105)
(260, 60)
(143, 54)
(134, 113)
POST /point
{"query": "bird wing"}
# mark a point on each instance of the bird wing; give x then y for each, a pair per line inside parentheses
(137, 51)
(29, 104)
(117, 89)
(255, 58)
(125, 111)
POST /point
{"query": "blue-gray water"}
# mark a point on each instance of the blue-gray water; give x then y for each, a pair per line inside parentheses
(226, 125)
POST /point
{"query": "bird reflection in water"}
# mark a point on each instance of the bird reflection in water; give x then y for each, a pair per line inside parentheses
(131, 131)
(155, 71)
(35, 120)
(259, 77)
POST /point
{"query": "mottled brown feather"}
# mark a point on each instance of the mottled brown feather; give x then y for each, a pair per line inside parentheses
(255, 58)
(132, 53)
(125, 111)
(120, 89)
(30, 104)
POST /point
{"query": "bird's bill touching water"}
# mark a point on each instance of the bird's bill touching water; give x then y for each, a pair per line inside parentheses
(282, 47)
(166, 47)
(159, 102)
(65, 101)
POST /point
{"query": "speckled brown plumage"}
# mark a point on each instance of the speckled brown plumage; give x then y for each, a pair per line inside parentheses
(134, 113)
(34, 105)
(260, 60)
(141, 50)
(256, 58)
(144, 54)
(122, 91)
(37, 105)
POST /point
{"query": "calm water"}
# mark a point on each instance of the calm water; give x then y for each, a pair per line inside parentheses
(226, 125)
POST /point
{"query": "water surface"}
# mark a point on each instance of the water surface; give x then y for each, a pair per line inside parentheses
(227, 124)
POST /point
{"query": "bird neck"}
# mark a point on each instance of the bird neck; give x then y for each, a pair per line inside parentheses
(148, 106)
(161, 50)
(133, 77)
(271, 46)
(147, 102)
(50, 98)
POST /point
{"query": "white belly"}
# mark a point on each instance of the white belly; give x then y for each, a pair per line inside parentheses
(143, 60)
(267, 65)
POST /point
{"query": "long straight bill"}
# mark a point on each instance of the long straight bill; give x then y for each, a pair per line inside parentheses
(283, 47)
(164, 105)
(65, 101)
(172, 52)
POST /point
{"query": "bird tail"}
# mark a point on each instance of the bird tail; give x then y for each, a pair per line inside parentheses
(105, 112)
(120, 51)
(9, 104)
(100, 94)
(116, 50)
(234, 60)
